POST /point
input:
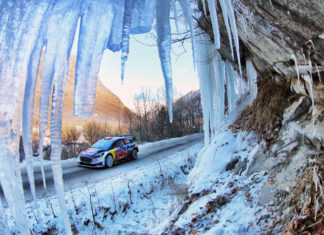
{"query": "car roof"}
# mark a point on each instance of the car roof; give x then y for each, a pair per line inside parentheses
(113, 138)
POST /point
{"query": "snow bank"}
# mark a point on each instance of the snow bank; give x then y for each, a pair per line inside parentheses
(141, 200)
(213, 159)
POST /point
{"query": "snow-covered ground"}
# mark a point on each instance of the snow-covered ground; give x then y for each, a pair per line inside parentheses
(169, 195)
(135, 202)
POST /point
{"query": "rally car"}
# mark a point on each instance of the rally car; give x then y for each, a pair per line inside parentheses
(107, 152)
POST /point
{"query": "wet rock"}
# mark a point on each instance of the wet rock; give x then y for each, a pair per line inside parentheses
(231, 165)
(298, 109)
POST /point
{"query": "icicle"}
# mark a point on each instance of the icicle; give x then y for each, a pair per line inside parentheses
(115, 38)
(214, 20)
(228, 29)
(318, 73)
(18, 38)
(252, 78)
(232, 20)
(231, 93)
(219, 91)
(309, 79)
(186, 8)
(163, 30)
(175, 15)
(3, 220)
(53, 40)
(129, 5)
(296, 66)
(204, 6)
(67, 34)
(143, 16)
(28, 111)
(95, 29)
(63, 26)
(203, 67)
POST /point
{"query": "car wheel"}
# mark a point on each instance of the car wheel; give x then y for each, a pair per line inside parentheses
(109, 161)
(134, 154)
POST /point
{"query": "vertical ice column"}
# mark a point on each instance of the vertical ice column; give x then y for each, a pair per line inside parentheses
(204, 6)
(231, 93)
(175, 14)
(231, 16)
(252, 78)
(61, 66)
(220, 88)
(127, 21)
(293, 56)
(20, 23)
(186, 8)
(95, 28)
(143, 16)
(60, 35)
(203, 74)
(214, 20)
(228, 29)
(163, 30)
(115, 37)
(28, 108)
(3, 220)
(53, 40)
(211, 71)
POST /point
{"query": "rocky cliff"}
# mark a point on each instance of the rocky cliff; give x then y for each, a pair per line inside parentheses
(285, 41)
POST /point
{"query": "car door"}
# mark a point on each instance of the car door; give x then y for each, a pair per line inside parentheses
(120, 151)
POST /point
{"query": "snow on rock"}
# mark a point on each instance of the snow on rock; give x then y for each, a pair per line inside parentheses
(213, 159)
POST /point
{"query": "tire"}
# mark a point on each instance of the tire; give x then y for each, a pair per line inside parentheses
(109, 161)
(134, 154)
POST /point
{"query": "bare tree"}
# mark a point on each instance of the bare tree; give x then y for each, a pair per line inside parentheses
(93, 131)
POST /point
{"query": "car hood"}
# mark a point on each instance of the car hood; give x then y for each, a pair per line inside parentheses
(91, 152)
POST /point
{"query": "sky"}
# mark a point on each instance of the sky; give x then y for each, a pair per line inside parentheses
(143, 69)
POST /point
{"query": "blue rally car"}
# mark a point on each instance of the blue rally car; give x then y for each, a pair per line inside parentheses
(107, 152)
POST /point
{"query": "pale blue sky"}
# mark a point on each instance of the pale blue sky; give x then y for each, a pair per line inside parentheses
(143, 69)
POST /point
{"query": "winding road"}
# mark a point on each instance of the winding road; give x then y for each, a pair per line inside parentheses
(75, 176)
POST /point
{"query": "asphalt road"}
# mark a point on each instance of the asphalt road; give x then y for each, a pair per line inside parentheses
(75, 176)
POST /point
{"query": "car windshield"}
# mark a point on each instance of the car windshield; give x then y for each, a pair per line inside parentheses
(103, 144)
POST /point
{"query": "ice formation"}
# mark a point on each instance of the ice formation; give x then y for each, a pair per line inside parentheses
(32, 29)
(186, 8)
(214, 19)
(252, 75)
(175, 15)
(127, 23)
(296, 66)
(163, 30)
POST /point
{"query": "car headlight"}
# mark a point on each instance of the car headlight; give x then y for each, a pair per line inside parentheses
(98, 156)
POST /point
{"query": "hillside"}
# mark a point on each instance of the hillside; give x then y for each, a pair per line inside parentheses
(108, 107)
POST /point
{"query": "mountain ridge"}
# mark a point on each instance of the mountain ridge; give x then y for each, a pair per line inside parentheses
(108, 107)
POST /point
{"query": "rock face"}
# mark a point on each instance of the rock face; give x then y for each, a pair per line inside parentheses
(272, 31)
(275, 30)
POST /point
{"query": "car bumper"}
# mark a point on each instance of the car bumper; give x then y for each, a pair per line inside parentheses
(92, 165)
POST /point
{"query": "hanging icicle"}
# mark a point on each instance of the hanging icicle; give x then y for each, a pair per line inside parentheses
(163, 31)
(129, 6)
(214, 19)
